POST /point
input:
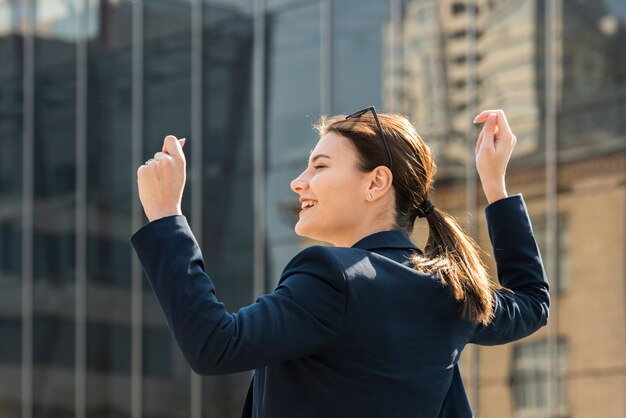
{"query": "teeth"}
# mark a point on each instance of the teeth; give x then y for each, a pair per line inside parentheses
(308, 203)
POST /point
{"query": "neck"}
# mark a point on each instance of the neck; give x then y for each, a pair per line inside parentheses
(348, 240)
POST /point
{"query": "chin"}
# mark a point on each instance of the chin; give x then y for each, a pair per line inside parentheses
(305, 232)
(301, 230)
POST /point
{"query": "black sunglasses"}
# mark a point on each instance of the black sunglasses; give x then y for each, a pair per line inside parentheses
(358, 114)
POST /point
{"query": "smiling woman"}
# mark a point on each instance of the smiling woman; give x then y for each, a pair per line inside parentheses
(330, 184)
(361, 168)
(372, 326)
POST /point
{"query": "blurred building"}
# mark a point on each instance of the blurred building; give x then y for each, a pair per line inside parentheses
(586, 367)
(89, 88)
(426, 74)
(510, 67)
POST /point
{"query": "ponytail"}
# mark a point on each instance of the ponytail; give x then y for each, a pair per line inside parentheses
(449, 253)
(454, 257)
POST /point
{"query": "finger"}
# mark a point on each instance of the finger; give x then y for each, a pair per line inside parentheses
(171, 146)
(479, 142)
(182, 142)
(160, 156)
(151, 160)
(489, 131)
(502, 121)
(164, 149)
(482, 116)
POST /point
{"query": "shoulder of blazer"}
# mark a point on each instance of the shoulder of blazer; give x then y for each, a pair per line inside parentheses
(319, 261)
(333, 264)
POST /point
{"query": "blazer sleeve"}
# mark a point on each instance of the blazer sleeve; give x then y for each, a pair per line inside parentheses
(522, 306)
(301, 317)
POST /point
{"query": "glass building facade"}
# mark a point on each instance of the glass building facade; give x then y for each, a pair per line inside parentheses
(89, 88)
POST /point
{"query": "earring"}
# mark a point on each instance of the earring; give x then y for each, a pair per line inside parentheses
(369, 196)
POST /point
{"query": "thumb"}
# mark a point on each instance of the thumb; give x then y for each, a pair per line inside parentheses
(172, 146)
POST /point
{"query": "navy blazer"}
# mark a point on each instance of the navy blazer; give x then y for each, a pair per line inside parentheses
(348, 332)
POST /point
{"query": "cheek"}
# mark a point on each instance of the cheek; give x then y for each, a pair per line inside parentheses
(338, 194)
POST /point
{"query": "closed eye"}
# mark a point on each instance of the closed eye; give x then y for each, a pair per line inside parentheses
(317, 167)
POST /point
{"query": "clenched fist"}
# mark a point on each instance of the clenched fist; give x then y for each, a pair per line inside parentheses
(161, 180)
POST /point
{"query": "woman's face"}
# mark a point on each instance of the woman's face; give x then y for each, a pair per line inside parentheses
(332, 192)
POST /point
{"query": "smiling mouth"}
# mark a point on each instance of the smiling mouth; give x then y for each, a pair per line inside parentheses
(308, 204)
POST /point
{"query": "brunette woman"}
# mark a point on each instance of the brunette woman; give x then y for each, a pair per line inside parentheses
(372, 326)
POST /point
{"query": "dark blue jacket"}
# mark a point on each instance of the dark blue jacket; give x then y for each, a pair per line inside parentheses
(348, 332)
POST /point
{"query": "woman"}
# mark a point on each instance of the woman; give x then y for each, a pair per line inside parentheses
(373, 326)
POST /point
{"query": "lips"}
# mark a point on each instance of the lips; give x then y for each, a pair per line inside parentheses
(307, 203)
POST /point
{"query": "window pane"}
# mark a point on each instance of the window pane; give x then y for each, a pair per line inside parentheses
(54, 342)
(530, 372)
(227, 212)
(54, 216)
(109, 182)
(108, 355)
(357, 54)
(594, 82)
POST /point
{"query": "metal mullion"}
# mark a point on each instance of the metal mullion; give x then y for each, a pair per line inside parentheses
(552, 10)
(326, 56)
(471, 177)
(258, 150)
(136, 211)
(80, 381)
(395, 17)
(28, 121)
(196, 162)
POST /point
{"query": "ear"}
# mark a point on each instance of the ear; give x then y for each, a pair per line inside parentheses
(379, 183)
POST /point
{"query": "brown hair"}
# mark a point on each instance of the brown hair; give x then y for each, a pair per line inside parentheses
(449, 252)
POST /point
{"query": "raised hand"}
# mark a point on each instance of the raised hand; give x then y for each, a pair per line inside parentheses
(493, 152)
(161, 180)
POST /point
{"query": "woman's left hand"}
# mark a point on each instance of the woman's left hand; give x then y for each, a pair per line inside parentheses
(493, 152)
(161, 180)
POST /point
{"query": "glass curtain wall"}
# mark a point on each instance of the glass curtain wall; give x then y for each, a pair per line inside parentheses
(107, 116)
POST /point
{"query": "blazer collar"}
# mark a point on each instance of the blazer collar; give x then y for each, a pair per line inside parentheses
(386, 239)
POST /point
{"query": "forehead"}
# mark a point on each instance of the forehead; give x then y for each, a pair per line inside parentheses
(335, 146)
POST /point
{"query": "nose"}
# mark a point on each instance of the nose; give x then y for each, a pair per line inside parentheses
(299, 184)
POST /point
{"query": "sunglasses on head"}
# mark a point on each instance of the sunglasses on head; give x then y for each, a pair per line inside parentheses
(361, 112)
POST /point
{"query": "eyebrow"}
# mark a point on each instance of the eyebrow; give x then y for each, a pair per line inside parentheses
(318, 156)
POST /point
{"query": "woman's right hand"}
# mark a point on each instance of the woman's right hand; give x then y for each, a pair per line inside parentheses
(493, 152)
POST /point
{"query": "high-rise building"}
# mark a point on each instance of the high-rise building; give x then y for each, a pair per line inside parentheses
(510, 48)
(549, 373)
